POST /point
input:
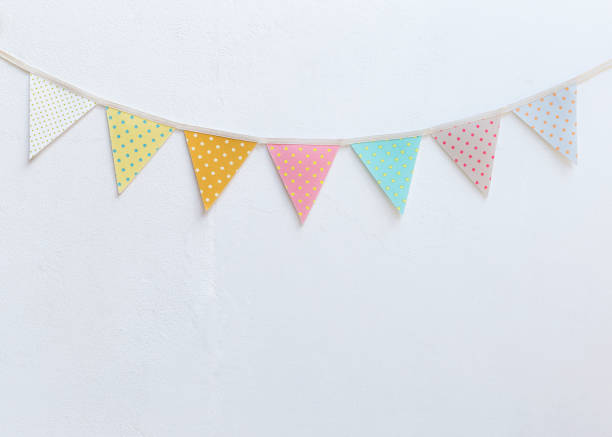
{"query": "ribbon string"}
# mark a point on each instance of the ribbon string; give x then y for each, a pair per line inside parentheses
(312, 141)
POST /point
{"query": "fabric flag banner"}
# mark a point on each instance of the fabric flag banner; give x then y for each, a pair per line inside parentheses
(554, 118)
(391, 164)
(215, 161)
(303, 169)
(472, 147)
(134, 141)
(53, 110)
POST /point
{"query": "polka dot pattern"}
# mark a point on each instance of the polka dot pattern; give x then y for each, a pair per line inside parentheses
(215, 162)
(303, 169)
(472, 147)
(134, 141)
(554, 119)
(391, 164)
(53, 109)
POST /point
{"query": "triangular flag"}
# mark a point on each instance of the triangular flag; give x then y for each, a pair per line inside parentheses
(134, 141)
(391, 164)
(53, 109)
(553, 117)
(215, 162)
(303, 169)
(472, 147)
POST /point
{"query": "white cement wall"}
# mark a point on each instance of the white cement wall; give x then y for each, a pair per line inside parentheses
(142, 316)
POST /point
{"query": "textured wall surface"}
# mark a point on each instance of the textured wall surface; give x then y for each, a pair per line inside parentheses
(143, 316)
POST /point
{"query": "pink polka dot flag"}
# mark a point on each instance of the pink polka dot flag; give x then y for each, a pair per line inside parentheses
(553, 117)
(472, 147)
(303, 169)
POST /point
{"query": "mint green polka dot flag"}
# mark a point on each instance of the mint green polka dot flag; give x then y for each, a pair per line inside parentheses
(391, 164)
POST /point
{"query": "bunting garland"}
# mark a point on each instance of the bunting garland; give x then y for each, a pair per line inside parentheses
(303, 166)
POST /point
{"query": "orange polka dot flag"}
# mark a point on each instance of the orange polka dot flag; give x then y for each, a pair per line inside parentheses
(471, 146)
(302, 169)
(553, 117)
(134, 141)
(215, 162)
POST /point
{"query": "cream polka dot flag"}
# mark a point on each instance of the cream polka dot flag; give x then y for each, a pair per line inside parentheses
(134, 141)
(471, 146)
(53, 109)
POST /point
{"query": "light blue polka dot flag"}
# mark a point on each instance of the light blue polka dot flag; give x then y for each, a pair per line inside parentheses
(553, 117)
(391, 164)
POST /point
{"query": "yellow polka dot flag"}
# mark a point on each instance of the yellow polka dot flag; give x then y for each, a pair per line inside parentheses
(134, 141)
(215, 162)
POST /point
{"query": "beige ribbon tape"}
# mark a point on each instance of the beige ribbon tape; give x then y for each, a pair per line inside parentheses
(314, 141)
